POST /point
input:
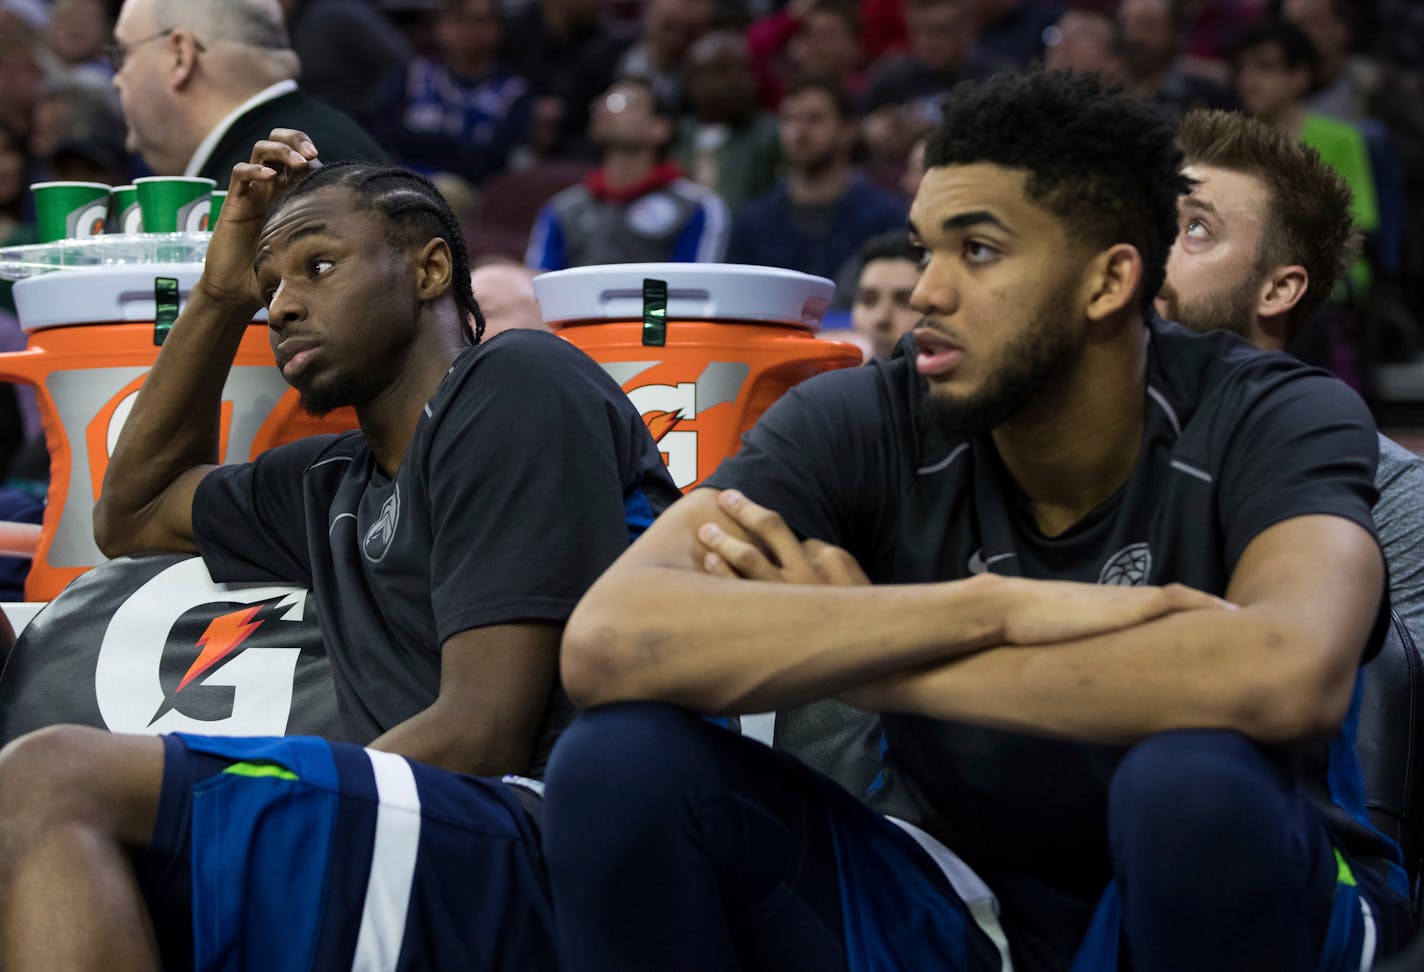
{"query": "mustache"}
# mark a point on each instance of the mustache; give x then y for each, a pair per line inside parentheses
(929, 323)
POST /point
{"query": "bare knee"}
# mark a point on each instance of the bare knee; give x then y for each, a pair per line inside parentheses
(67, 775)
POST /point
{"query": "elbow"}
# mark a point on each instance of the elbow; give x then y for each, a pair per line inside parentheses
(111, 532)
(594, 662)
(1296, 707)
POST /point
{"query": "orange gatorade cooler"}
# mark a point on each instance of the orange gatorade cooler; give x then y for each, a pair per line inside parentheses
(91, 341)
(701, 349)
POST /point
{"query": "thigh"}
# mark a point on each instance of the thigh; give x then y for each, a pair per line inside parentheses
(303, 854)
(803, 874)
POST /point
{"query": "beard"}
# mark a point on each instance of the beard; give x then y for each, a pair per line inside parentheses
(320, 400)
(1031, 362)
(1228, 310)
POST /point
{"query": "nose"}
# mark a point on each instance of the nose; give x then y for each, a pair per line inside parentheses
(285, 307)
(935, 292)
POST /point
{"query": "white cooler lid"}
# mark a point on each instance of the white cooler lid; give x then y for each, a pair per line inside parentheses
(696, 292)
(98, 295)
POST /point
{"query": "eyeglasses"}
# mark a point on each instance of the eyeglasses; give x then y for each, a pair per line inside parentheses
(119, 53)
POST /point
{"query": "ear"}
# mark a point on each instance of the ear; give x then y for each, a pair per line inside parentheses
(1111, 282)
(183, 57)
(434, 269)
(1283, 288)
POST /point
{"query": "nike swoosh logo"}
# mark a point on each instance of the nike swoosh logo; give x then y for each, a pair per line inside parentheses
(978, 564)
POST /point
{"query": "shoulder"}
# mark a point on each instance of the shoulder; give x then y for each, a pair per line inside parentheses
(870, 198)
(575, 195)
(536, 364)
(769, 201)
(1399, 468)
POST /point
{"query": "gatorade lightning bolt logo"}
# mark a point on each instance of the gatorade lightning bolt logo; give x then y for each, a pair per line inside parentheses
(671, 409)
(661, 423)
(220, 641)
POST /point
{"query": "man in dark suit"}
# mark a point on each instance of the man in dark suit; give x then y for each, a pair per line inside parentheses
(202, 80)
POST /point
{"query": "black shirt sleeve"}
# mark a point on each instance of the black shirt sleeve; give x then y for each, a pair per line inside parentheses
(1304, 446)
(249, 519)
(531, 483)
(811, 458)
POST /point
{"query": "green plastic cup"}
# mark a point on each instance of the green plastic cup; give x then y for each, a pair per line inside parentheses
(70, 210)
(127, 218)
(219, 197)
(174, 204)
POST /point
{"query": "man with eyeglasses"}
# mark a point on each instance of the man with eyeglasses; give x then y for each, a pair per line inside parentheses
(200, 81)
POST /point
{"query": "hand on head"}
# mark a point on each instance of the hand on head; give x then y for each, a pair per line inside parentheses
(275, 160)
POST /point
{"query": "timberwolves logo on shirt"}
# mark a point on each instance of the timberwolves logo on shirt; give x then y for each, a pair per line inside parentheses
(378, 539)
(1128, 567)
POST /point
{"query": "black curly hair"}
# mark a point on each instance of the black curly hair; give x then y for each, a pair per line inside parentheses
(1103, 164)
(414, 211)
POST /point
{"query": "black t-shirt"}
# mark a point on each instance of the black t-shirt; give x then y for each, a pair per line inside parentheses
(530, 471)
(1234, 442)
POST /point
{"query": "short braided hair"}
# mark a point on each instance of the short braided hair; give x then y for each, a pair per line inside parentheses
(414, 211)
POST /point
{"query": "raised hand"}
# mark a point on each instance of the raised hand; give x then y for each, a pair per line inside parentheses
(227, 271)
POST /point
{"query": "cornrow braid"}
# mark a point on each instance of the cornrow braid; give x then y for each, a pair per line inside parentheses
(414, 211)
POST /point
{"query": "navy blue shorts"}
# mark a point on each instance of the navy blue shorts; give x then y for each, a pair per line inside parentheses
(298, 854)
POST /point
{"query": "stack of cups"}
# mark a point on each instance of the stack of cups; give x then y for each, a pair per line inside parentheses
(127, 217)
(70, 210)
(175, 204)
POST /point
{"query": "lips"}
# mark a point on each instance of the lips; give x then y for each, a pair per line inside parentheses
(293, 356)
(937, 353)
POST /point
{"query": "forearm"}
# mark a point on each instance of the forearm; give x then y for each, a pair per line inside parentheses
(719, 645)
(174, 424)
(1250, 671)
(435, 737)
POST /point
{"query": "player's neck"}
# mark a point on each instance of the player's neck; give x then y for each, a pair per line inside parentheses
(1076, 443)
(389, 419)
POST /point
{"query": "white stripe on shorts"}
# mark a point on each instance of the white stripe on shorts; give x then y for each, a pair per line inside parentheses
(393, 853)
(978, 899)
(1367, 948)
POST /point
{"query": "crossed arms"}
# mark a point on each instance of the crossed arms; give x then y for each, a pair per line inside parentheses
(720, 608)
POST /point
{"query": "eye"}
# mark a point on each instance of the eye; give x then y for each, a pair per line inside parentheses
(921, 255)
(1196, 229)
(977, 252)
(320, 266)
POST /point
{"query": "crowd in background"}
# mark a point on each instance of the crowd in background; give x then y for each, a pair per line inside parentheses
(568, 132)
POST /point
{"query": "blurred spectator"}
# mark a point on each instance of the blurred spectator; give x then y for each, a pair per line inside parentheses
(816, 218)
(78, 31)
(1010, 32)
(14, 184)
(670, 28)
(635, 207)
(724, 142)
(1085, 42)
(569, 34)
(348, 48)
(77, 133)
(913, 172)
(807, 38)
(463, 112)
(1153, 35)
(202, 80)
(903, 91)
(505, 293)
(1275, 65)
(23, 60)
(1343, 84)
(881, 311)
